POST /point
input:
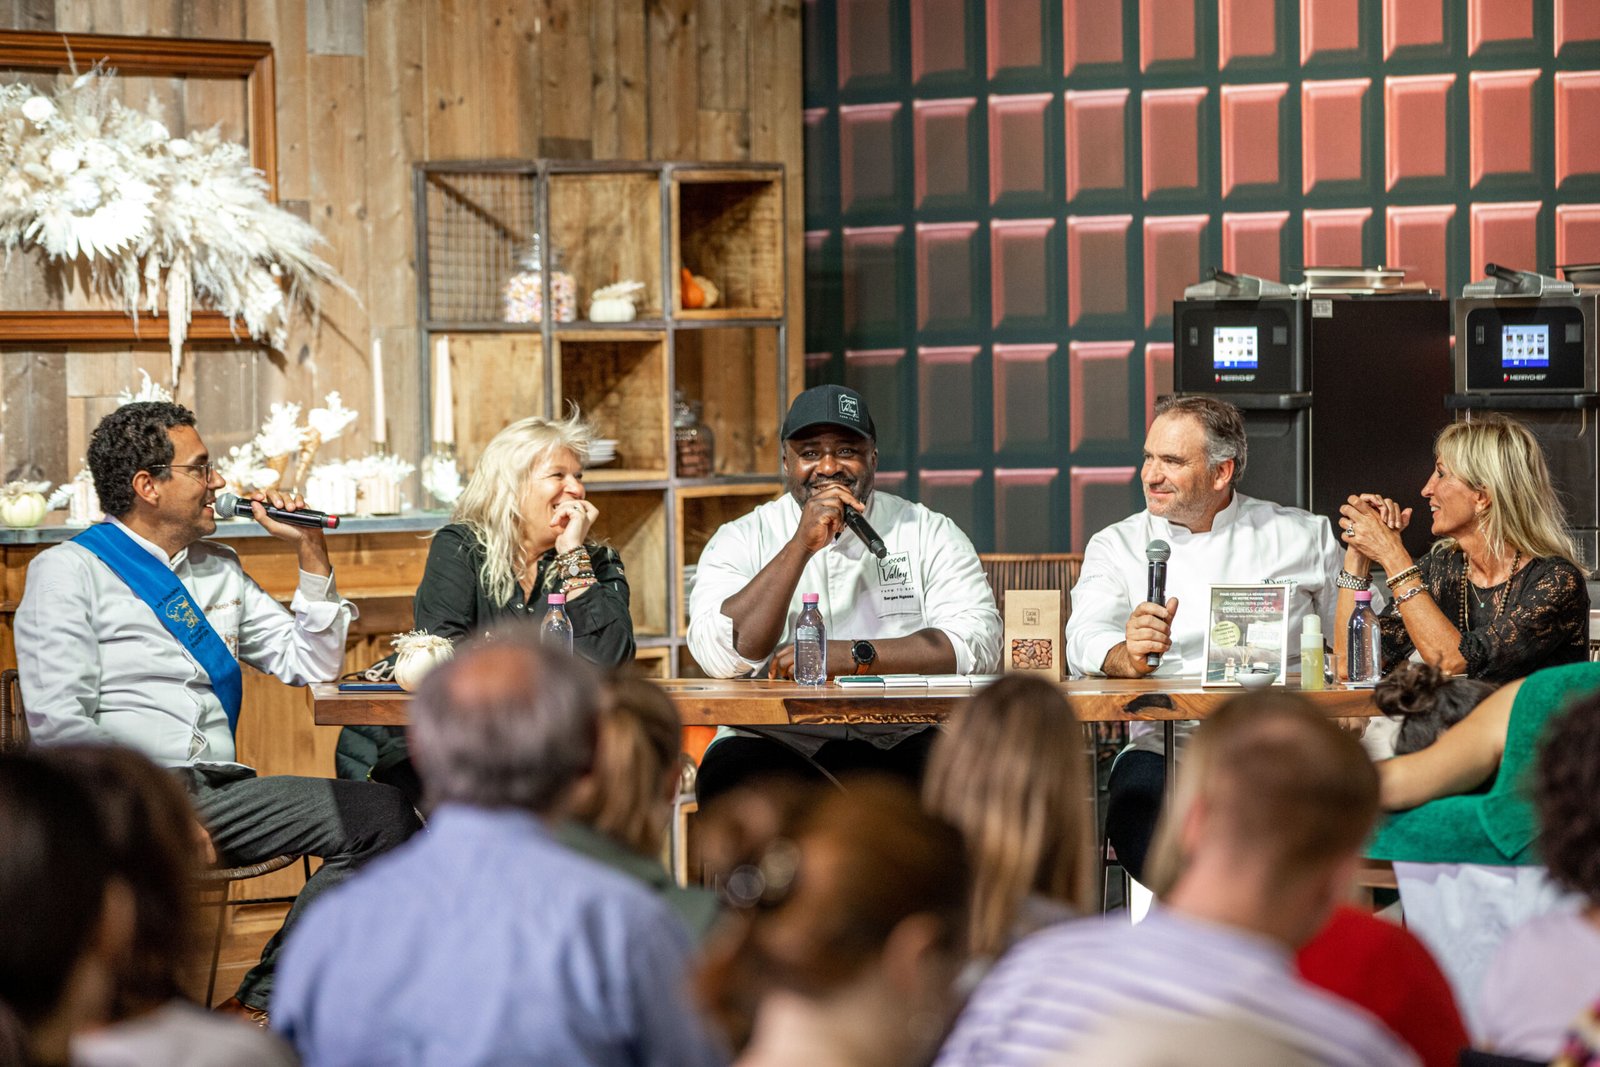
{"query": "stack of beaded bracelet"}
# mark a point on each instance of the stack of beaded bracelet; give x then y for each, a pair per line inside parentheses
(1412, 573)
(576, 570)
(1346, 580)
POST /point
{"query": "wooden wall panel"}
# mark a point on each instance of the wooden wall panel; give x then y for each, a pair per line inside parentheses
(367, 87)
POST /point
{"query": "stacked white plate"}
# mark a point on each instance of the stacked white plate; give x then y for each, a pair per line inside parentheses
(602, 450)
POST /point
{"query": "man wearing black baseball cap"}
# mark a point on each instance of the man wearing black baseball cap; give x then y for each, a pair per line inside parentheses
(922, 608)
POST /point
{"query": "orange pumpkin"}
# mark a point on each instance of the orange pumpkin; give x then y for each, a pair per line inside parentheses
(693, 295)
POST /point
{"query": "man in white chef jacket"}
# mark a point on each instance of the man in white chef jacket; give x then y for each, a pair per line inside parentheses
(1194, 455)
(924, 608)
(133, 632)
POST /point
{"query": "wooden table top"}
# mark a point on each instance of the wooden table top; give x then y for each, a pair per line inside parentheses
(759, 702)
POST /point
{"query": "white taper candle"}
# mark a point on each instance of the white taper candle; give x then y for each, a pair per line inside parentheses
(380, 429)
(444, 424)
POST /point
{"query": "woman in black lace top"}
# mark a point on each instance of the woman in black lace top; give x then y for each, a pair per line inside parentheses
(1500, 595)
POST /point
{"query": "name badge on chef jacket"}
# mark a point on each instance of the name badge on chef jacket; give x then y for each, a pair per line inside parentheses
(897, 587)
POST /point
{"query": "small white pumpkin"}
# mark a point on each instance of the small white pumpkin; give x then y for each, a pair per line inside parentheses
(419, 653)
(615, 303)
(23, 504)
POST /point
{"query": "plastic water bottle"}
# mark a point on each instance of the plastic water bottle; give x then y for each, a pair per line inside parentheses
(810, 644)
(556, 629)
(1365, 649)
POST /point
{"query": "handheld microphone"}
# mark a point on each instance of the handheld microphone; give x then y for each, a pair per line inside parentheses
(229, 506)
(1157, 552)
(863, 529)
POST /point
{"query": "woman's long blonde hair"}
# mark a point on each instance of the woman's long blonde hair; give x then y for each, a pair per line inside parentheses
(491, 504)
(1009, 773)
(1499, 456)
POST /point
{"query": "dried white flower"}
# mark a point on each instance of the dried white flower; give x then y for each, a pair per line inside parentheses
(62, 161)
(38, 109)
(148, 390)
(182, 221)
(281, 434)
(329, 422)
(441, 478)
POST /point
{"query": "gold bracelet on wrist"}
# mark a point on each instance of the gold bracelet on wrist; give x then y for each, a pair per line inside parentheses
(1412, 571)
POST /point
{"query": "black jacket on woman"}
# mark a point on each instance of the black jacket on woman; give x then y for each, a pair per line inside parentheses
(452, 602)
(1537, 618)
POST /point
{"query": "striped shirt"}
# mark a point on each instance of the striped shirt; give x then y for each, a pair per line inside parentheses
(1059, 985)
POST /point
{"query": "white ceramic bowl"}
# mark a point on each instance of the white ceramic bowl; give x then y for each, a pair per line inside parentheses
(1256, 679)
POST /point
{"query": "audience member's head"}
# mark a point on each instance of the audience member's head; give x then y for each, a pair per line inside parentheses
(1272, 805)
(1427, 702)
(850, 927)
(507, 723)
(1009, 774)
(629, 796)
(149, 833)
(65, 921)
(1565, 791)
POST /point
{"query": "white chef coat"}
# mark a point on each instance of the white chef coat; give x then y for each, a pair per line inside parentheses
(1250, 541)
(97, 665)
(930, 578)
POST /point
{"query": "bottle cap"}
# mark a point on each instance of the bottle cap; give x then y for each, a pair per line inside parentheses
(1363, 594)
(557, 598)
(1312, 626)
(809, 598)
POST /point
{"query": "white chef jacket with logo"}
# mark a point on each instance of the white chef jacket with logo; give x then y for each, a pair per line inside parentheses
(931, 577)
(1250, 541)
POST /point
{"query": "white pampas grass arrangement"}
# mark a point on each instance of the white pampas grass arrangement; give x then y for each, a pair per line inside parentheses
(84, 177)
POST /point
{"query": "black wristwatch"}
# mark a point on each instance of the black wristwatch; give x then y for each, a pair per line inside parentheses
(864, 654)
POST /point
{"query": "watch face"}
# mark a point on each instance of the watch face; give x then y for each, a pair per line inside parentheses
(863, 652)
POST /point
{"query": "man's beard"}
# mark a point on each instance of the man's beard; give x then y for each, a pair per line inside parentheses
(859, 487)
(1182, 509)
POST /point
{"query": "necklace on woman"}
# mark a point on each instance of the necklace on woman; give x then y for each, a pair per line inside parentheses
(1498, 600)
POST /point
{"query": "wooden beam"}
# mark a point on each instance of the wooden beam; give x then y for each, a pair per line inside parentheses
(25, 50)
(35, 328)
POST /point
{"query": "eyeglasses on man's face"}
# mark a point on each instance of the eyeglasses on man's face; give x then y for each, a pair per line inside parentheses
(206, 472)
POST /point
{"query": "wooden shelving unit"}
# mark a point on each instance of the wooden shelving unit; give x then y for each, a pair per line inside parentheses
(604, 223)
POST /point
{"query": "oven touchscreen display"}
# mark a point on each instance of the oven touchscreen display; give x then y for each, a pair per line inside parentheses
(1235, 348)
(1524, 346)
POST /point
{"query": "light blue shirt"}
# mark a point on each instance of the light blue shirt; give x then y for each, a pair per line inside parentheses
(484, 941)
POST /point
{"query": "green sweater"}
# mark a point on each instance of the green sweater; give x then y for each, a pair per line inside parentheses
(1499, 826)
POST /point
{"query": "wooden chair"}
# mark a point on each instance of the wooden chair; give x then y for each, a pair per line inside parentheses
(13, 719)
(215, 883)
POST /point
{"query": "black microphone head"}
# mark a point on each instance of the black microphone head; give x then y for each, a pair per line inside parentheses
(1158, 551)
(228, 505)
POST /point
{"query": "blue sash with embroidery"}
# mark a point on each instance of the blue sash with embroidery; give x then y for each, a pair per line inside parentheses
(158, 587)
